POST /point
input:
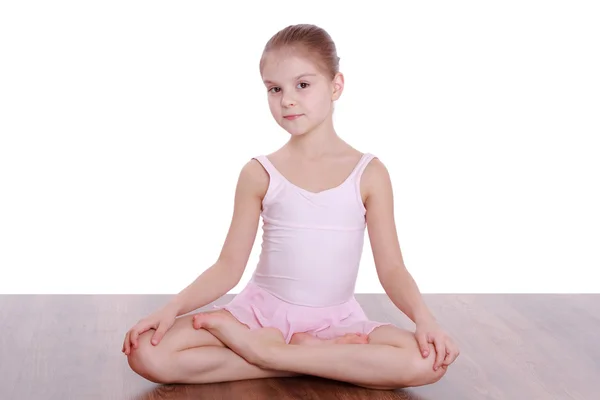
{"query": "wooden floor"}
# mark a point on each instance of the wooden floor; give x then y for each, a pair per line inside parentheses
(516, 347)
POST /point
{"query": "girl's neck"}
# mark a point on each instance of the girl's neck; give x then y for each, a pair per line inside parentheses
(323, 140)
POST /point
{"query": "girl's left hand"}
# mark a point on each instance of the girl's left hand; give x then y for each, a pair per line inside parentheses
(446, 350)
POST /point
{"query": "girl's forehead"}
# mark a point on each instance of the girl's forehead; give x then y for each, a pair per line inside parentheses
(280, 67)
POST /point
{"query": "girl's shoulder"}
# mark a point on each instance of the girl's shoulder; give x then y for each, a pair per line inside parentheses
(253, 175)
(375, 178)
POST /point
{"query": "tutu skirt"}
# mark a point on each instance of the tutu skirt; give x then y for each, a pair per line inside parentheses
(257, 308)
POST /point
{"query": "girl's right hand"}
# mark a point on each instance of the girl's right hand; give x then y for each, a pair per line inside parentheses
(161, 321)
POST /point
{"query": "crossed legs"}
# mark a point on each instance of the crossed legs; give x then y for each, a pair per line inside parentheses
(215, 347)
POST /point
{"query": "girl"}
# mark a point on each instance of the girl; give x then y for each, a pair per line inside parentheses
(298, 314)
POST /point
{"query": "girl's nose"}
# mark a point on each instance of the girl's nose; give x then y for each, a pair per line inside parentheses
(287, 102)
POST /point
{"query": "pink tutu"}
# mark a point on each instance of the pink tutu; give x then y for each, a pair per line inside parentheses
(257, 308)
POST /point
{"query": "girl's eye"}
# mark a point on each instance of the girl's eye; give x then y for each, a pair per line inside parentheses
(276, 89)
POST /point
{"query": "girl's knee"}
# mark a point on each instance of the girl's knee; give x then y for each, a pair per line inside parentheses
(419, 371)
(423, 372)
(148, 361)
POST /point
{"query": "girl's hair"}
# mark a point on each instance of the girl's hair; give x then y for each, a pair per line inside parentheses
(308, 40)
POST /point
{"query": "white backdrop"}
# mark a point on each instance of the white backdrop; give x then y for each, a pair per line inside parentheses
(124, 126)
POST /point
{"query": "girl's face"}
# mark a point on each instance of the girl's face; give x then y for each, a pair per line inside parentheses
(300, 96)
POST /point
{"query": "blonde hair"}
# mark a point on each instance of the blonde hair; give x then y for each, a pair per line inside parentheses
(308, 40)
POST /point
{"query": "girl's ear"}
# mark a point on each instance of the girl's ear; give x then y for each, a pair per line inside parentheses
(338, 86)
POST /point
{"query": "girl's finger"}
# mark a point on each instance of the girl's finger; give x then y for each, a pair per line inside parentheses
(126, 343)
(139, 331)
(448, 357)
(134, 338)
(440, 350)
(423, 344)
(451, 354)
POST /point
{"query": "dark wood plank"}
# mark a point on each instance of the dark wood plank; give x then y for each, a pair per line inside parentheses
(512, 347)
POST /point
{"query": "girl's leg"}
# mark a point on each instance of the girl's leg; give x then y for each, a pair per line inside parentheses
(391, 359)
(187, 355)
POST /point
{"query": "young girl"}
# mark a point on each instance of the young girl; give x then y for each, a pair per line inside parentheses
(298, 315)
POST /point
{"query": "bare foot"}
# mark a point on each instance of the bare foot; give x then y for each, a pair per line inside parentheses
(352, 338)
(306, 339)
(255, 346)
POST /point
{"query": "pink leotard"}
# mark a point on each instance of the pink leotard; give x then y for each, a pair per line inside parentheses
(312, 242)
(311, 250)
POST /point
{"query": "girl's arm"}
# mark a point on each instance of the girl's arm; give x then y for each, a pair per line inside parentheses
(227, 271)
(393, 275)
